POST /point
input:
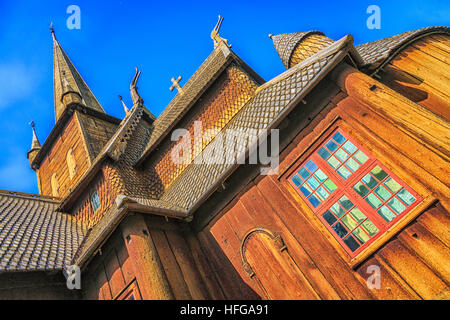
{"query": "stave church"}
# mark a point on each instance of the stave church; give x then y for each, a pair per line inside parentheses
(356, 207)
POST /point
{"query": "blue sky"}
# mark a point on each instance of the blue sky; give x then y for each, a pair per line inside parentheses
(164, 39)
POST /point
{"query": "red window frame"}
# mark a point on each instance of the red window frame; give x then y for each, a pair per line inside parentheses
(345, 187)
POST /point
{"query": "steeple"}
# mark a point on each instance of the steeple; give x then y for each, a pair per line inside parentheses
(69, 86)
(35, 146)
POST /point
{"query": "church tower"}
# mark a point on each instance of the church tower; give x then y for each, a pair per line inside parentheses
(81, 129)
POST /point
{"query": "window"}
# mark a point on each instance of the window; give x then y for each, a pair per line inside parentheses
(55, 185)
(71, 164)
(95, 201)
(352, 193)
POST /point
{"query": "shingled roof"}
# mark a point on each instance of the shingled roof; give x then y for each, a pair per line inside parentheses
(377, 52)
(33, 236)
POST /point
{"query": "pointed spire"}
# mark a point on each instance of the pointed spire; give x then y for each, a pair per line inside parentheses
(35, 145)
(66, 79)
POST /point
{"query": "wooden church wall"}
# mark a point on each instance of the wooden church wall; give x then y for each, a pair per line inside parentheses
(111, 274)
(421, 73)
(281, 250)
(56, 162)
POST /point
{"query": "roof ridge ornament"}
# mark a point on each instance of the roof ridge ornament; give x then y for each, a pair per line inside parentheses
(137, 99)
(215, 34)
(176, 84)
(127, 111)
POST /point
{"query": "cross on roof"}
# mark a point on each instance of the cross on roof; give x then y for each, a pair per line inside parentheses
(176, 85)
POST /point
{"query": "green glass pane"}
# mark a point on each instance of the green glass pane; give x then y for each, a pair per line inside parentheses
(407, 197)
(392, 185)
(352, 164)
(322, 193)
(348, 221)
(340, 230)
(320, 175)
(396, 205)
(357, 214)
(386, 214)
(345, 202)
(361, 189)
(337, 210)
(341, 155)
(344, 172)
(383, 193)
(360, 157)
(361, 235)
(379, 173)
(349, 147)
(332, 161)
(370, 228)
(330, 185)
(373, 201)
(313, 183)
(370, 181)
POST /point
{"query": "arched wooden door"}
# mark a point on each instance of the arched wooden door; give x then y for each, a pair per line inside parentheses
(267, 261)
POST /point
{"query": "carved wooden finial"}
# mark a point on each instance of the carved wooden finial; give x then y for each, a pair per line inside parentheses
(215, 34)
(271, 36)
(137, 99)
(124, 105)
(176, 84)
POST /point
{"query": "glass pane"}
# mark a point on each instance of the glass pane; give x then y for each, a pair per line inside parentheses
(361, 235)
(349, 222)
(339, 138)
(297, 180)
(357, 214)
(370, 181)
(329, 218)
(346, 203)
(305, 190)
(341, 155)
(303, 173)
(392, 185)
(344, 172)
(370, 228)
(331, 146)
(407, 197)
(324, 153)
(314, 201)
(360, 157)
(332, 161)
(352, 164)
(379, 173)
(320, 175)
(349, 147)
(330, 185)
(311, 166)
(373, 201)
(396, 205)
(313, 183)
(361, 189)
(386, 214)
(383, 193)
(340, 230)
(351, 243)
(322, 193)
(337, 210)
